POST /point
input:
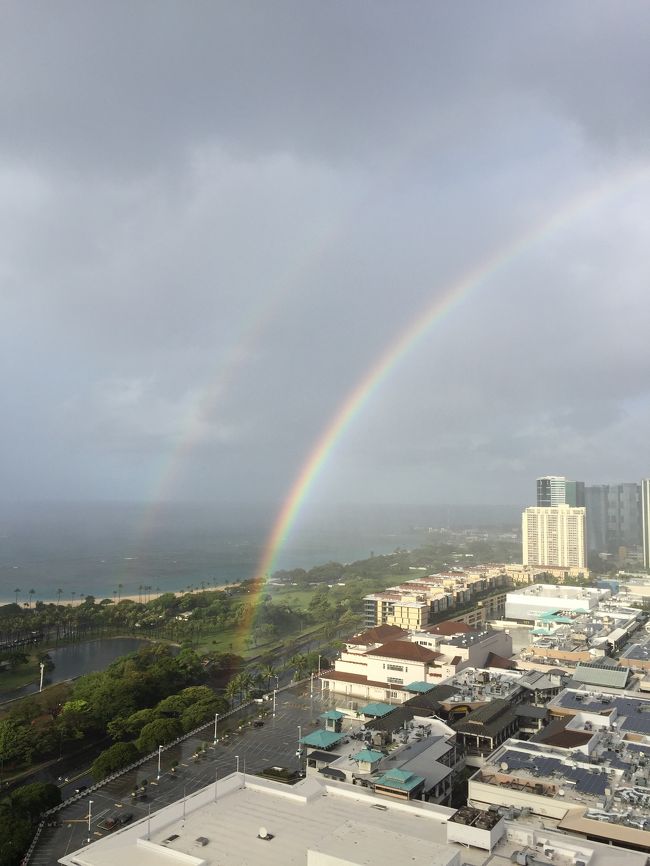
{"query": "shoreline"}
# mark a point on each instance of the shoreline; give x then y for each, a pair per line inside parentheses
(151, 596)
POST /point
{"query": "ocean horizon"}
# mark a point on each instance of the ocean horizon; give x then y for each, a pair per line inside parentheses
(101, 549)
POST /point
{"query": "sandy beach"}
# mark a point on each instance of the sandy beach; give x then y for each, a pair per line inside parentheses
(75, 602)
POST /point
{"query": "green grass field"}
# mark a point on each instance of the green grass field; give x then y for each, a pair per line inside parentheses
(21, 675)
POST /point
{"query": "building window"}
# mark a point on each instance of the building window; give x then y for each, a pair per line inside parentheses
(395, 680)
(395, 667)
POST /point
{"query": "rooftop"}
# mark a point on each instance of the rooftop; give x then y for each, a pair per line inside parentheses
(321, 739)
(376, 709)
(404, 650)
(378, 634)
(629, 713)
(315, 822)
(601, 674)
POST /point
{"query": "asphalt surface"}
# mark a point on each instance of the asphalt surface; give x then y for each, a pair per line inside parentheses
(275, 743)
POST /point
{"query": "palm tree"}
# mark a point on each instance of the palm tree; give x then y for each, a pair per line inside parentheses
(59, 593)
(231, 690)
(17, 591)
(301, 663)
(120, 587)
(269, 673)
(32, 593)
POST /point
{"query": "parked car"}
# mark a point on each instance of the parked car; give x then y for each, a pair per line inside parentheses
(126, 818)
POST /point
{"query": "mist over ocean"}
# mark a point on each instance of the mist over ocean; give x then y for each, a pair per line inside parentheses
(90, 548)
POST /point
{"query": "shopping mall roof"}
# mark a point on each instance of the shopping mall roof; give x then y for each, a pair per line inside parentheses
(321, 739)
(420, 686)
(376, 709)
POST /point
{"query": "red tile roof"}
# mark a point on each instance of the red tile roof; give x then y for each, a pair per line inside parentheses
(378, 634)
(447, 627)
(494, 660)
(405, 650)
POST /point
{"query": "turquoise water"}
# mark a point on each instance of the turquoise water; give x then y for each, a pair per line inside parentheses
(89, 549)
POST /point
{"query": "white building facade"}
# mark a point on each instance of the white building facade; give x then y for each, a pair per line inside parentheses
(554, 536)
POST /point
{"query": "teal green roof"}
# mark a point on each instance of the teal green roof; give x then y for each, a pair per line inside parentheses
(552, 616)
(419, 686)
(370, 756)
(321, 739)
(377, 709)
(400, 780)
(332, 714)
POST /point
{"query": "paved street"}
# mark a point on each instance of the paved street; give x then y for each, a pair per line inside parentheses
(275, 743)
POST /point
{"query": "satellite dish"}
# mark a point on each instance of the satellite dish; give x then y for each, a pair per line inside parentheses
(263, 833)
(504, 766)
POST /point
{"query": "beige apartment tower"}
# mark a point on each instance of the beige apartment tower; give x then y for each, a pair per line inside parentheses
(554, 536)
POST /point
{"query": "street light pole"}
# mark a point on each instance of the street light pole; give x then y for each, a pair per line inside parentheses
(311, 684)
(42, 666)
(216, 716)
(90, 814)
(159, 753)
(274, 694)
(237, 759)
(319, 658)
(299, 752)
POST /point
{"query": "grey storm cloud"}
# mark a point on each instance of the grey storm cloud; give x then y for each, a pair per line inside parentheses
(215, 219)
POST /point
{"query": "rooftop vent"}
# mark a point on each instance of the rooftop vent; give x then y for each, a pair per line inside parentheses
(265, 835)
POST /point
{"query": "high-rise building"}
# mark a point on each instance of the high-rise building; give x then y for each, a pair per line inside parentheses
(613, 516)
(574, 494)
(554, 536)
(645, 521)
(551, 490)
(596, 496)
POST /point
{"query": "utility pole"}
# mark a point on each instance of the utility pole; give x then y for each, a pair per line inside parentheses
(216, 716)
(90, 814)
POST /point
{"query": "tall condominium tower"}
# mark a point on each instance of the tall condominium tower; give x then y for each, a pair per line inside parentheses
(645, 520)
(554, 536)
(557, 490)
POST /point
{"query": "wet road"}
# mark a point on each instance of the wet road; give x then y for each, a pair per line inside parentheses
(253, 749)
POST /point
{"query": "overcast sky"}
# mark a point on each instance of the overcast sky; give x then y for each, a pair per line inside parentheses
(215, 218)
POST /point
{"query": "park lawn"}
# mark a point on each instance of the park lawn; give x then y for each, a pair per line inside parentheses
(20, 676)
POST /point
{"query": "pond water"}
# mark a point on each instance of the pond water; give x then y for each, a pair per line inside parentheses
(77, 659)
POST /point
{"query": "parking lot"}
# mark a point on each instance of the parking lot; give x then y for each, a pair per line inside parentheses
(275, 743)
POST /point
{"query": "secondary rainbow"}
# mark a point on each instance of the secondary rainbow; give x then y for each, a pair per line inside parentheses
(359, 396)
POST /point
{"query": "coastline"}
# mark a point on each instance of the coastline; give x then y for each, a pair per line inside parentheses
(151, 596)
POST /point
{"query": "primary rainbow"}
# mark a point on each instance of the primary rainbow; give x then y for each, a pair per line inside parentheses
(407, 340)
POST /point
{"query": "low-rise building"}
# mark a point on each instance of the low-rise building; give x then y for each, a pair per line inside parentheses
(584, 775)
(246, 820)
(526, 604)
(370, 668)
(420, 757)
(628, 713)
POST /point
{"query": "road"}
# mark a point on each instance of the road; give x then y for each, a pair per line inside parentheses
(275, 743)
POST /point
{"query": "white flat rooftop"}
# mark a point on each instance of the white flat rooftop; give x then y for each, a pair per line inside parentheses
(309, 816)
(315, 823)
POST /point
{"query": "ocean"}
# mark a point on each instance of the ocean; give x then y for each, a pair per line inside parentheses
(92, 548)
